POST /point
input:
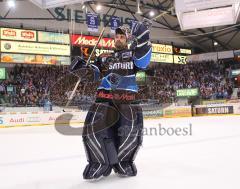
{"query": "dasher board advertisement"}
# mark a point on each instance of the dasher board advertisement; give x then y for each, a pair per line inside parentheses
(214, 110)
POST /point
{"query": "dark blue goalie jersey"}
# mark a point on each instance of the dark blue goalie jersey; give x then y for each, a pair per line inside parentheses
(117, 72)
(119, 69)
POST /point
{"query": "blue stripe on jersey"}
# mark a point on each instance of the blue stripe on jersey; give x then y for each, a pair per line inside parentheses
(96, 72)
(144, 61)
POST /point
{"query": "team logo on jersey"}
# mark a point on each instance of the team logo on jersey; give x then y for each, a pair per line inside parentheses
(126, 56)
(123, 57)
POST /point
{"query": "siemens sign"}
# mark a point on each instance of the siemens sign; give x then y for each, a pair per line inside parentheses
(79, 16)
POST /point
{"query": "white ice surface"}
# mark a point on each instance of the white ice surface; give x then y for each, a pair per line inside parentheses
(41, 158)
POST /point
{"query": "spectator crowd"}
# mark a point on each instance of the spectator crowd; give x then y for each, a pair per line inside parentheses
(31, 85)
(209, 77)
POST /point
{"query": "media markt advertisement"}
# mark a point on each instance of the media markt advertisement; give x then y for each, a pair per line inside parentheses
(34, 59)
(18, 34)
(35, 48)
(86, 40)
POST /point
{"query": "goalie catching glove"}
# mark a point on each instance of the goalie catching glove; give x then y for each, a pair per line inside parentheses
(79, 63)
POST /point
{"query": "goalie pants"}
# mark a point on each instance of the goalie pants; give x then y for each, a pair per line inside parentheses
(112, 133)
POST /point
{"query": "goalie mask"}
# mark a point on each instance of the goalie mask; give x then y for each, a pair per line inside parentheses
(123, 30)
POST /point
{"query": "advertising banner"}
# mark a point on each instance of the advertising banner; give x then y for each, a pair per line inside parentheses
(236, 108)
(34, 59)
(86, 40)
(178, 50)
(163, 58)
(141, 76)
(236, 52)
(187, 92)
(185, 51)
(86, 51)
(153, 113)
(35, 48)
(235, 72)
(180, 59)
(202, 57)
(2, 73)
(18, 34)
(225, 54)
(214, 110)
(39, 119)
(51, 37)
(160, 48)
(210, 102)
(185, 111)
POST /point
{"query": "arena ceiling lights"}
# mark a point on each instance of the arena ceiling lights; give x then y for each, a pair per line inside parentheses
(46, 4)
(194, 14)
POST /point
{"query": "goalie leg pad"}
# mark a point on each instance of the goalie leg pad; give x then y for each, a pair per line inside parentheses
(98, 140)
(129, 138)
